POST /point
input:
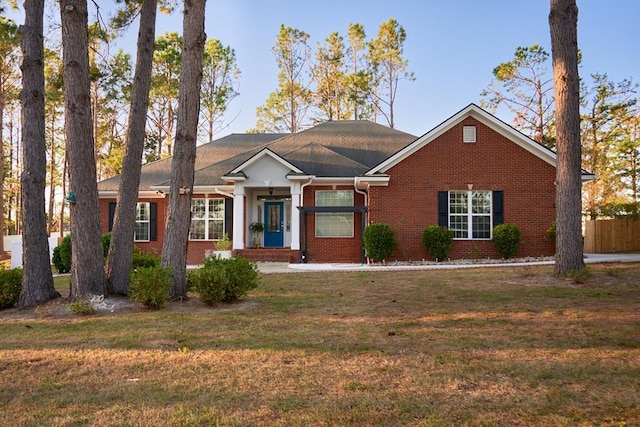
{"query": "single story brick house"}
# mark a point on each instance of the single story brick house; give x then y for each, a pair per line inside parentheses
(315, 191)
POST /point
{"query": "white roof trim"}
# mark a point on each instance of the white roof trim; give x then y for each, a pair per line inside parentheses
(265, 152)
(110, 194)
(327, 180)
(483, 117)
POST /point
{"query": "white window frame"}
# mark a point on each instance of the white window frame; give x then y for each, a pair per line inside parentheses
(143, 222)
(208, 216)
(334, 224)
(465, 212)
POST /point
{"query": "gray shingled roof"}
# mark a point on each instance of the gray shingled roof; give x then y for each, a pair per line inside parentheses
(331, 149)
(214, 152)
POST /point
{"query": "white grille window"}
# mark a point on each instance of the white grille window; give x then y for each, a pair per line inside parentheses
(207, 219)
(141, 231)
(468, 134)
(470, 214)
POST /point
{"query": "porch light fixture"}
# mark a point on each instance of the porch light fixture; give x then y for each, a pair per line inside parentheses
(270, 191)
(470, 187)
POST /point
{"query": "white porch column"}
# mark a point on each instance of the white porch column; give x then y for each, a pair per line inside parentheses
(238, 218)
(295, 216)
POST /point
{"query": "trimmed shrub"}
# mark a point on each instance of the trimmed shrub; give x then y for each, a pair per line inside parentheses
(438, 240)
(150, 286)
(551, 232)
(106, 241)
(10, 287)
(82, 307)
(224, 280)
(144, 259)
(506, 239)
(209, 283)
(242, 276)
(379, 241)
(62, 255)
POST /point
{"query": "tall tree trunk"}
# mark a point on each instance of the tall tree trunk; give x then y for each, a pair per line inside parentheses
(119, 260)
(37, 280)
(174, 250)
(87, 259)
(563, 22)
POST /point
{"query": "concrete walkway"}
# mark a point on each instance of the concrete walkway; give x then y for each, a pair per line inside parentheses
(282, 267)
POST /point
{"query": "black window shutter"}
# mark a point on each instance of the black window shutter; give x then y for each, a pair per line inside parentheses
(228, 217)
(112, 213)
(153, 221)
(498, 208)
(443, 208)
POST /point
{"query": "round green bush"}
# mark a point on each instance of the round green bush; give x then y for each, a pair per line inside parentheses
(438, 240)
(379, 241)
(506, 239)
(209, 283)
(106, 241)
(10, 287)
(224, 279)
(242, 276)
(150, 286)
(551, 232)
(62, 255)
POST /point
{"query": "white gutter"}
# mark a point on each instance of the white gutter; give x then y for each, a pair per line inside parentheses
(364, 193)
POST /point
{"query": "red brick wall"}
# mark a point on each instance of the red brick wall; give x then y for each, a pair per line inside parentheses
(332, 249)
(154, 246)
(409, 204)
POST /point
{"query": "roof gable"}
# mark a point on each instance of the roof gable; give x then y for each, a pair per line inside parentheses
(265, 152)
(481, 116)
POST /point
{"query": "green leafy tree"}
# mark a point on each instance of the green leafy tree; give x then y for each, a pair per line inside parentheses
(329, 75)
(286, 108)
(165, 79)
(524, 86)
(626, 154)
(9, 82)
(54, 130)
(386, 55)
(220, 75)
(563, 23)
(359, 76)
(607, 109)
(115, 84)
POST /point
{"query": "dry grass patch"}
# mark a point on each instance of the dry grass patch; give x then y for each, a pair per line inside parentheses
(494, 346)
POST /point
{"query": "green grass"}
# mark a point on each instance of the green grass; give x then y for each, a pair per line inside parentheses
(496, 346)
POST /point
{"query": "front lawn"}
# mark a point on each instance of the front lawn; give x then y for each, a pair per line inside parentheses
(481, 347)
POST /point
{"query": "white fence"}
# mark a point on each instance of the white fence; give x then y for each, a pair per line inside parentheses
(13, 244)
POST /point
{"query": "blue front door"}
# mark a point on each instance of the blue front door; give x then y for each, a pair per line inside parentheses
(274, 225)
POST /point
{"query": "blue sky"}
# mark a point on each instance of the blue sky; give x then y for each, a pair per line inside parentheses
(452, 45)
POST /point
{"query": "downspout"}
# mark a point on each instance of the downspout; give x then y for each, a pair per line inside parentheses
(365, 217)
(302, 257)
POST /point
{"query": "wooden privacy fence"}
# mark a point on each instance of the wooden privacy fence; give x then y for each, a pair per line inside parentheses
(612, 235)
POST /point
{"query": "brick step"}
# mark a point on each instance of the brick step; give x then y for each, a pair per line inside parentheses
(269, 255)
